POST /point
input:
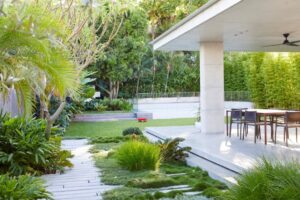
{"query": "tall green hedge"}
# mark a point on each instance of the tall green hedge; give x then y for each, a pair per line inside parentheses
(274, 80)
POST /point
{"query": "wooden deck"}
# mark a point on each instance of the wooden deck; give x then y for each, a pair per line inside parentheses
(82, 182)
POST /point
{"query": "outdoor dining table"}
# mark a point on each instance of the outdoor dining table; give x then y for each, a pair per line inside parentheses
(262, 113)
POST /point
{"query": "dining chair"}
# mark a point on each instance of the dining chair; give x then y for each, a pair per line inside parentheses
(291, 120)
(236, 117)
(251, 118)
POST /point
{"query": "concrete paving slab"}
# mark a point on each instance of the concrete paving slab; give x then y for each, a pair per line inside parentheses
(80, 182)
(216, 151)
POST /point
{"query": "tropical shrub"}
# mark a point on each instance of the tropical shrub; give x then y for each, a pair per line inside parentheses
(22, 187)
(107, 105)
(117, 104)
(88, 92)
(25, 149)
(131, 131)
(136, 155)
(91, 105)
(171, 152)
(268, 180)
(95, 105)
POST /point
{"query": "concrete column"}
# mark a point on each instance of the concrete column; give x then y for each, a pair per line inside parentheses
(212, 87)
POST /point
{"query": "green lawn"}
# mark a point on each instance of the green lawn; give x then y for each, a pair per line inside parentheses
(115, 128)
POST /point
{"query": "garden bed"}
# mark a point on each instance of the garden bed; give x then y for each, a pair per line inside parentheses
(172, 180)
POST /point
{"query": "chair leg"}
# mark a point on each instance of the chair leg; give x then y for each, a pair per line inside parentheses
(296, 134)
(244, 130)
(241, 127)
(284, 134)
(287, 136)
(255, 133)
(230, 126)
(238, 128)
(247, 129)
(275, 134)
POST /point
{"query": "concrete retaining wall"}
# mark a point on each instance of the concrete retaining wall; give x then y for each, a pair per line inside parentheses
(181, 107)
(168, 100)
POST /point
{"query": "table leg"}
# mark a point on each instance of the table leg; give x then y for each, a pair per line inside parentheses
(265, 119)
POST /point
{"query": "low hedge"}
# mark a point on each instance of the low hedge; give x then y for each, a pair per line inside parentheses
(132, 131)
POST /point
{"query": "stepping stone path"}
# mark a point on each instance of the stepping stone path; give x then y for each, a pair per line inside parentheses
(82, 182)
(175, 188)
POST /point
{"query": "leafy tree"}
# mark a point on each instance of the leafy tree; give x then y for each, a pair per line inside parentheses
(46, 45)
(33, 61)
(161, 16)
(124, 55)
(25, 45)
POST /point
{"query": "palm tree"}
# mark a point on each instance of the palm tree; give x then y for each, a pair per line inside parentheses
(33, 59)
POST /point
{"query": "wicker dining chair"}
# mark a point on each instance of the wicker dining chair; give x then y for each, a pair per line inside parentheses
(236, 117)
(251, 118)
(291, 120)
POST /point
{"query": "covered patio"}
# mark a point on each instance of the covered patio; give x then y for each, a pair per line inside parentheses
(230, 25)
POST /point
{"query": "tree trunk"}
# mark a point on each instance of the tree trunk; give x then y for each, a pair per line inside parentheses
(167, 79)
(51, 119)
(117, 89)
(110, 90)
(137, 86)
(114, 87)
(42, 108)
(153, 80)
(48, 126)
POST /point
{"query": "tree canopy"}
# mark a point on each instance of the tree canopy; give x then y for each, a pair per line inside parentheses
(33, 59)
(123, 57)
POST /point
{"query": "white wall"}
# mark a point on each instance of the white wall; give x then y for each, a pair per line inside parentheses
(10, 104)
(169, 100)
(183, 107)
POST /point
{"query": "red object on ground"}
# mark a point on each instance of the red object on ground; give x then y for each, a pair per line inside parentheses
(142, 119)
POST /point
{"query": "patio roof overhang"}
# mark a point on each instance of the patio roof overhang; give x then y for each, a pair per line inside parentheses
(241, 25)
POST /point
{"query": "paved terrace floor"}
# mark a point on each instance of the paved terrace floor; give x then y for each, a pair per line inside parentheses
(231, 153)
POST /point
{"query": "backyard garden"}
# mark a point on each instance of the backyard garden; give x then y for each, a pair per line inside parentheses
(56, 56)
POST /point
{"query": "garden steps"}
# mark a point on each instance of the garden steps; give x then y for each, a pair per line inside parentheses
(104, 117)
(80, 182)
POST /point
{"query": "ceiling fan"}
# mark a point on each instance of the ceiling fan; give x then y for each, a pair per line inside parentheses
(286, 42)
